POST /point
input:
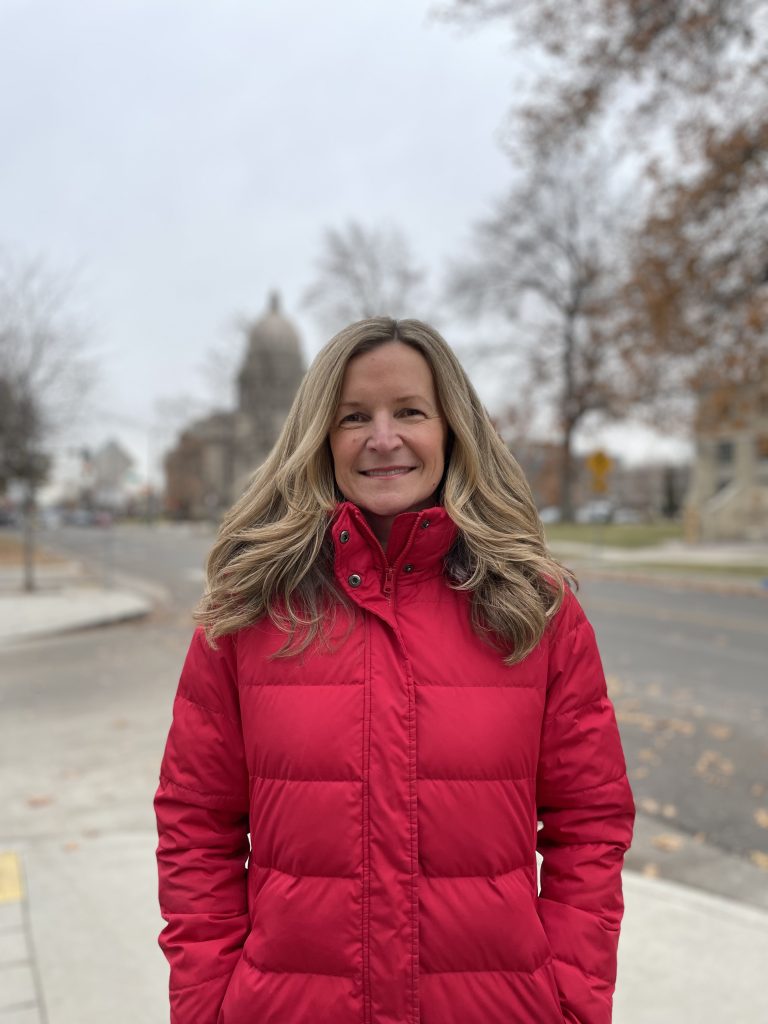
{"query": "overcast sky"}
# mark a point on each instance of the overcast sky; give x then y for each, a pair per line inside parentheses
(185, 157)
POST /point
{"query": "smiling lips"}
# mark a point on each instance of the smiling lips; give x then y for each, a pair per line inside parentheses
(387, 471)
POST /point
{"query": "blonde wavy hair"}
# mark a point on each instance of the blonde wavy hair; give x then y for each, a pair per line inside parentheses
(273, 554)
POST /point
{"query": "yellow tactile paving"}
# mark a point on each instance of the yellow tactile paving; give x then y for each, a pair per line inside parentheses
(11, 889)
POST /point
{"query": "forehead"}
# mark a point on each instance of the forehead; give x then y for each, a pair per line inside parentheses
(389, 368)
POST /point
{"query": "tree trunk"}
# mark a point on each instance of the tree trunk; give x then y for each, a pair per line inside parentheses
(568, 413)
(30, 505)
(566, 475)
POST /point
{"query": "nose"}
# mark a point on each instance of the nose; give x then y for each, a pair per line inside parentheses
(383, 436)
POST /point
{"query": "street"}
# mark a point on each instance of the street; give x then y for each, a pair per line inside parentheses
(686, 671)
(85, 715)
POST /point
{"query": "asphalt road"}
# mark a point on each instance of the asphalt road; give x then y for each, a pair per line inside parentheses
(686, 671)
(687, 674)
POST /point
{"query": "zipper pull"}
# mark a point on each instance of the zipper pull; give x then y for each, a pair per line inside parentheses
(388, 583)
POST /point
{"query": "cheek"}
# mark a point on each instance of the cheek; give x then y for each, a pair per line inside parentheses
(343, 451)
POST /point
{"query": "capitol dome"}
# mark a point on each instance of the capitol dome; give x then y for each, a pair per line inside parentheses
(273, 332)
(273, 365)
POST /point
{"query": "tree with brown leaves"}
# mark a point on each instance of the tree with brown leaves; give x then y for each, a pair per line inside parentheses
(699, 70)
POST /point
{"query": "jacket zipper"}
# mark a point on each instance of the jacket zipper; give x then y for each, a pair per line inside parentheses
(388, 583)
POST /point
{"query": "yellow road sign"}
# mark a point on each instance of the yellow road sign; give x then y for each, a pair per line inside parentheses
(599, 464)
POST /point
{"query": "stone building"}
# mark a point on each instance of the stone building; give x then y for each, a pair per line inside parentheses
(728, 496)
(215, 456)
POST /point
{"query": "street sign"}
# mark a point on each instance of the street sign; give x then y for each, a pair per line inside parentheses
(599, 465)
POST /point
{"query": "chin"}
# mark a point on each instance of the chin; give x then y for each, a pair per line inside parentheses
(394, 506)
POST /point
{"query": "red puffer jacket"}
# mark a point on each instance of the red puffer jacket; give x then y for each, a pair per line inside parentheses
(391, 788)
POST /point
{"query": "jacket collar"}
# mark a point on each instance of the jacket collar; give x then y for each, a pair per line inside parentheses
(418, 543)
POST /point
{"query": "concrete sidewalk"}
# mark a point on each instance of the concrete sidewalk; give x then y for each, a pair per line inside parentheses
(64, 600)
(685, 955)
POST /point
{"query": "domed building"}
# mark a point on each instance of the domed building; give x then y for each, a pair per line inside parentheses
(266, 385)
(215, 456)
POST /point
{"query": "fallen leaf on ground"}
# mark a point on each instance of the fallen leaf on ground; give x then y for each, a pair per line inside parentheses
(650, 870)
(614, 684)
(669, 811)
(720, 732)
(757, 789)
(648, 755)
(628, 716)
(40, 800)
(760, 859)
(713, 767)
(680, 725)
(71, 845)
(761, 817)
(668, 842)
(649, 805)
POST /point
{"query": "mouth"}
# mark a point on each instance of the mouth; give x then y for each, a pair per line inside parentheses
(387, 471)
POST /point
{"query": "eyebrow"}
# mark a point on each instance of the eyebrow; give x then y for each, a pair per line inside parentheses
(402, 398)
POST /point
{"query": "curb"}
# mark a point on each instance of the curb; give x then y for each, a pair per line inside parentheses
(60, 614)
(684, 582)
(701, 899)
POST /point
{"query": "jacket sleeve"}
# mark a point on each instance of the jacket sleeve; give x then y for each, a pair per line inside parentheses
(201, 807)
(586, 807)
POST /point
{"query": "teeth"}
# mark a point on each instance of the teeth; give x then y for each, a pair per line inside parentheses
(385, 472)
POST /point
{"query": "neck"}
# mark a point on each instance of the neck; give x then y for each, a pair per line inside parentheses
(380, 525)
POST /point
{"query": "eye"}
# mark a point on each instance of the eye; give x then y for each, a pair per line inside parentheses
(411, 412)
(352, 417)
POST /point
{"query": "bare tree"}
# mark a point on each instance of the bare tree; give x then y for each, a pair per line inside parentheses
(46, 371)
(548, 260)
(363, 272)
(222, 362)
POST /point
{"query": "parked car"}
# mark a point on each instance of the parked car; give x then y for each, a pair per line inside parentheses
(549, 514)
(598, 511)
(626, 515)
(9, 517)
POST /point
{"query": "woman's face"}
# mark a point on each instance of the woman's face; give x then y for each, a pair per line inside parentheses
(388, 434)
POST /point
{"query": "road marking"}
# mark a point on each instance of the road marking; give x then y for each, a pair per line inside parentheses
(11, 889)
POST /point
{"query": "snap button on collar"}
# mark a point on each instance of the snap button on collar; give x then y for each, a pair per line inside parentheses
(354, 580)
(407, 567)
(344, 536)
(425, 524)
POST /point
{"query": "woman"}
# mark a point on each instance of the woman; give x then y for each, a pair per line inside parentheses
(392, 684)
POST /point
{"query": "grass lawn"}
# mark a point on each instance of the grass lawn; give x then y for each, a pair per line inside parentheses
(615, 535)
